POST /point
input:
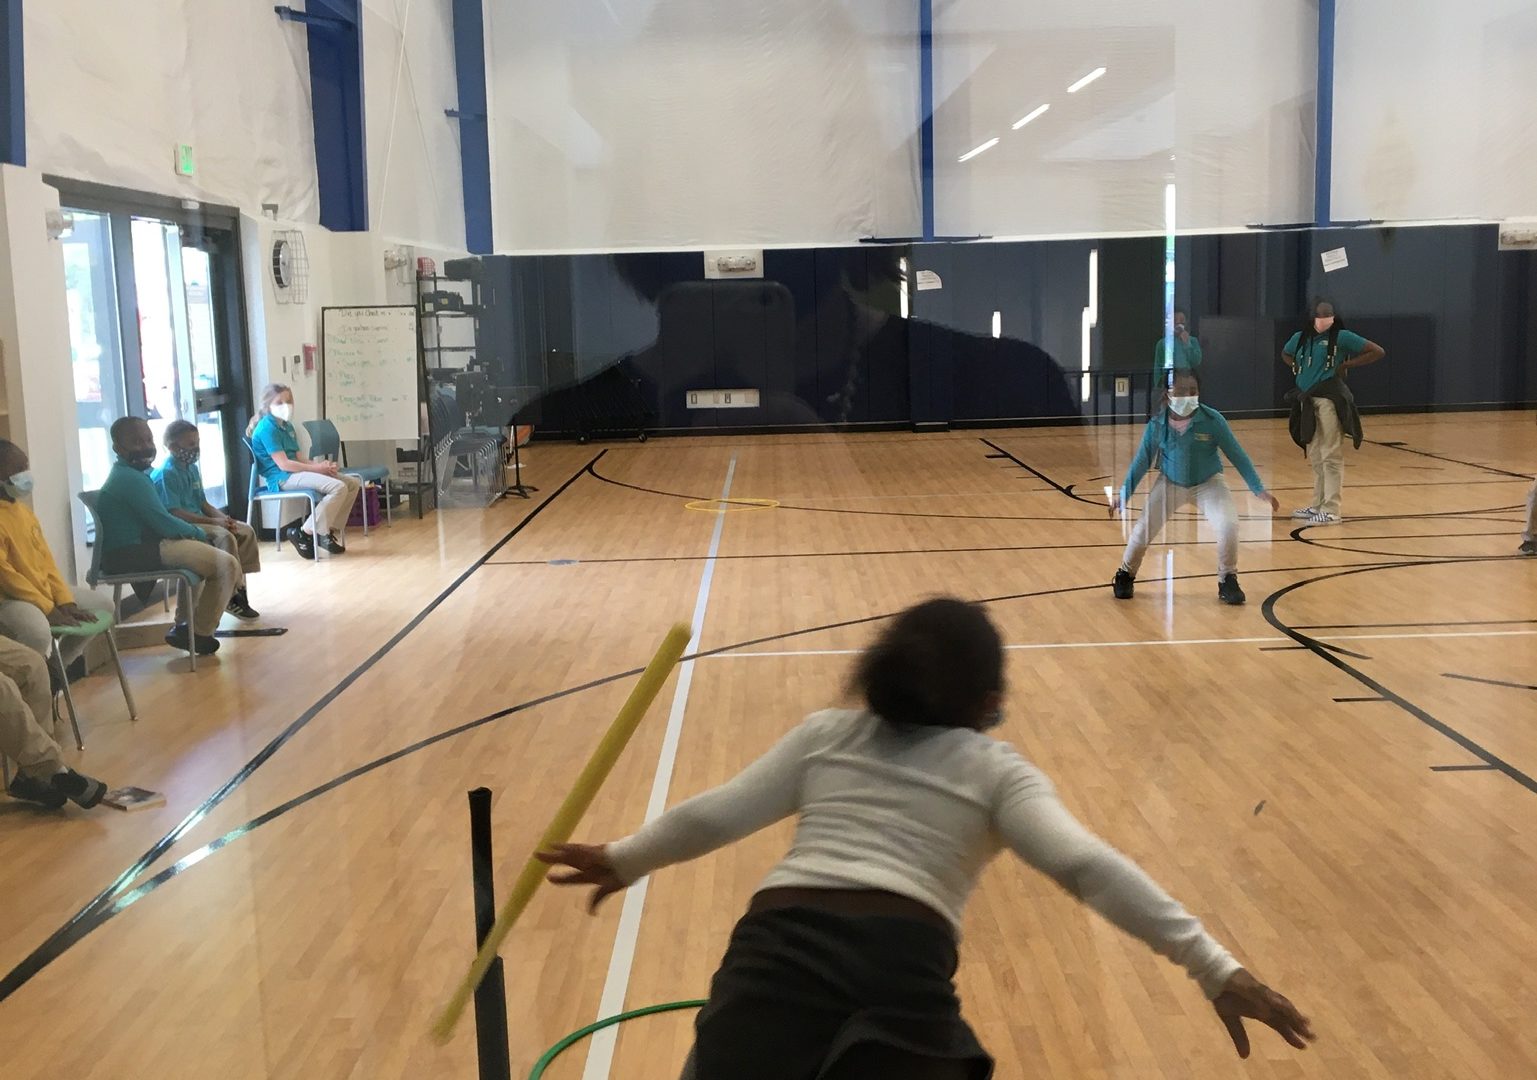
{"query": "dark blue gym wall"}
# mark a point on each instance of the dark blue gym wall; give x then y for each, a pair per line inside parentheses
(820, 335)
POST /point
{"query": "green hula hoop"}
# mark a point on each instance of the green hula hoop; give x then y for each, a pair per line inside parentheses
(609, 1021)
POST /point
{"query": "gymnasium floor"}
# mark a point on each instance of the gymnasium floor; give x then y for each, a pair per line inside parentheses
(1338, 777)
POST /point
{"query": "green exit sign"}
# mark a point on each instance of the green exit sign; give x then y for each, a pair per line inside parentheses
(184, 163)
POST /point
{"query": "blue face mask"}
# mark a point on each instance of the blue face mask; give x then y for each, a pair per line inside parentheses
(20, 484)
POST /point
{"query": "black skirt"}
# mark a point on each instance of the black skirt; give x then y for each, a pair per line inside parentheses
(802, 991)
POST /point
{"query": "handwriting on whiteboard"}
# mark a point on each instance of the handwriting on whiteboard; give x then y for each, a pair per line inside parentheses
(371, 372)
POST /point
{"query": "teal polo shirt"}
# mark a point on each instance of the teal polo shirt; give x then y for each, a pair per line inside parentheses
(1186, 354)
(1191, 457)
(180, 487)
(1314, 364)
(270, 436)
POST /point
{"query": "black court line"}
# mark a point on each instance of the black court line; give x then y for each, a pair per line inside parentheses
(1353, 700)
(1488, 682)
(112, 904)
(1321, 645)
(1323, 653)
(1442, 457)
(1462, 768)
(1068, 490)
(61, 939)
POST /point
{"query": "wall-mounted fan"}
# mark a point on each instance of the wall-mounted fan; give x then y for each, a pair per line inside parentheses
(290, 267)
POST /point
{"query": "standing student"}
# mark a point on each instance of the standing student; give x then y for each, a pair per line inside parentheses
(843, 964)
(1529, 536)
(1322, 407)
(179, 482)
(1184, 356)
(276, 446)
(1183, 440)
(29, 738)
(136, 533)
(34, 596)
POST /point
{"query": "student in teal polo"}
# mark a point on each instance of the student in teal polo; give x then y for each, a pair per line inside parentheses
(1183, 441)
(275, 445)
(1323, 408)
(136, 532)
(1184, 356)
(180, 485)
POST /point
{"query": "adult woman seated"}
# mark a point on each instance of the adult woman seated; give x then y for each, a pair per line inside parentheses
(283, 468)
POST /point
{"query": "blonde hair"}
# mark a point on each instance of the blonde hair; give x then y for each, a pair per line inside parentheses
(270, 394)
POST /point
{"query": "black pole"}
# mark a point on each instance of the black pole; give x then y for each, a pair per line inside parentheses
(491, 994)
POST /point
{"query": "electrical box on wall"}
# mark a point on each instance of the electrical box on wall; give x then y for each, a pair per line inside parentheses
(721, 399)
(735, 263)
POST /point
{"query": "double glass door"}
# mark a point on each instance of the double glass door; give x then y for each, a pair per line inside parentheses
(153, 307)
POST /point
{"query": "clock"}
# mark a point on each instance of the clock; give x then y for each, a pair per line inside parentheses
(282, 263)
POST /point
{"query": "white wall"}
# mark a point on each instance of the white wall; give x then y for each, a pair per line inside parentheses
(414, 181)
(112, 88)
(39, 380)
(694, 122)
(1433, 105)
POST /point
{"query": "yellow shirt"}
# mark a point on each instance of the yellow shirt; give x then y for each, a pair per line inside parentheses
(27, 569)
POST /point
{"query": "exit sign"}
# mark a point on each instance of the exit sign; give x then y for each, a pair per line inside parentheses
(184, 162)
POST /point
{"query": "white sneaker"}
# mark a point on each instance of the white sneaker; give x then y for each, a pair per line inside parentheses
(1305, 513)
(1318, 517)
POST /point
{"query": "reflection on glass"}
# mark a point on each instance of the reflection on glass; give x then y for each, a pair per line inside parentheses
(214, 468)
(95, 346)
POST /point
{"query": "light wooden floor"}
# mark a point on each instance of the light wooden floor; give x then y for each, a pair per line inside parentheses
(315, 909)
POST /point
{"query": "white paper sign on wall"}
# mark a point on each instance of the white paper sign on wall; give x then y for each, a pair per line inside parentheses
(1518, 236)
(928, 279)
(1334, 260)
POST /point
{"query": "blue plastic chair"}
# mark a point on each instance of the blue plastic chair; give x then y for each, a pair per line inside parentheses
(186, 583)
(326, 445)
(257, 493)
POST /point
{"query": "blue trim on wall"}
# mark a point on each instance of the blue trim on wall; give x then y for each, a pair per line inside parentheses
(474, 133)
(926, 111)
(13, 83)
(1324, 162)
(335, 35)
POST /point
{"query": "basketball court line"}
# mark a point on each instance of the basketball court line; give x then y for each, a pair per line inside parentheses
(616, 984)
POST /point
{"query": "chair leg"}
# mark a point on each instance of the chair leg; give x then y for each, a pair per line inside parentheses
(117, 603)
(389, 504)
(69, 698)
(122, 676)
(184, 593)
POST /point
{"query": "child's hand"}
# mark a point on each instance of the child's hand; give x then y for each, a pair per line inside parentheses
(1275, 503)
(1245, 997)
(589, 866)
(1115, 504)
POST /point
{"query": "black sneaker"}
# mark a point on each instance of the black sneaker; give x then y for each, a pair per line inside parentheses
(205, 646)
(179, 637)
(1229, 592)
(84, 791)
(240, 606)
(303, 543)
(31, 789)
(1528, 547)
(1123, 585)
(331, 545)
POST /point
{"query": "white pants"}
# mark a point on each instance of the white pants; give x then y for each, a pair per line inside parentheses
(1326, 453)
(337, 496)
(1216, 503)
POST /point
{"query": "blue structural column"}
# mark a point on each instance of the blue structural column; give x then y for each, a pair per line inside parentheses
(474, 133)
(336, 94)
(926, 112)
(13, 112)
(1324, 159)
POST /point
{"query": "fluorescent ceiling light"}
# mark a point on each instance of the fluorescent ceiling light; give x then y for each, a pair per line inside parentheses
(1086, 80)
(1030, 116)
(988, 145)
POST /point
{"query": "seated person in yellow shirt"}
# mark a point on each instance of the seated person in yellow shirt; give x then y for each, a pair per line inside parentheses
(33, 594)
(180, 485)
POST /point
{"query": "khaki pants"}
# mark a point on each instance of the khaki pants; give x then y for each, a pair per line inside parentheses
(25, 622)
(338, 495)
(26, 712)
(1531, 515)
(1216, 503)
(1327, 454)
(240, 541)
(221, 576)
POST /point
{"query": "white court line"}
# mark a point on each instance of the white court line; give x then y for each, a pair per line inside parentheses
(600, 1053)
(1174, 641)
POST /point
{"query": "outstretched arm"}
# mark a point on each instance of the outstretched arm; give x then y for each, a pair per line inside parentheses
(1137, 470)
(766, 791)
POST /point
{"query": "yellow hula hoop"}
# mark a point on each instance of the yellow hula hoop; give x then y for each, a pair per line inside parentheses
(731, 506)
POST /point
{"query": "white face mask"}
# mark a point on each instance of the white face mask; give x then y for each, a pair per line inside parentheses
(20, 484)
(284, 412)
(1183, 406)
(1322, 323)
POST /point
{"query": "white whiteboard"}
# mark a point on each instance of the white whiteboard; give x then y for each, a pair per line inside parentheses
(369, 372)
